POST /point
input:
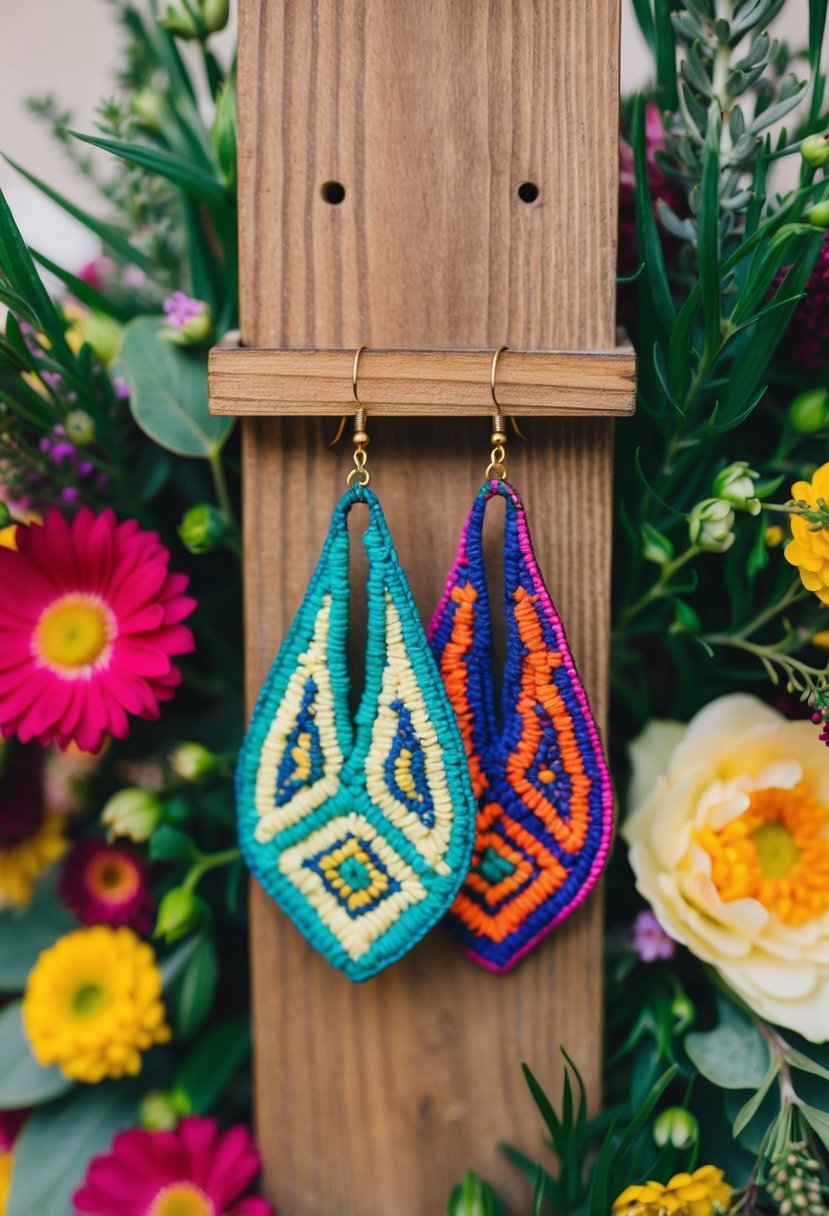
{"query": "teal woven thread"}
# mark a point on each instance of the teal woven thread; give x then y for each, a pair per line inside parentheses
(352, 798)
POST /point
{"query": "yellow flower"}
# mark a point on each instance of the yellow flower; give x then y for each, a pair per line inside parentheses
(729, 842)
(683, 1195)
(93, 1004)
(5, 1179)
(809, 551)
(22, 861)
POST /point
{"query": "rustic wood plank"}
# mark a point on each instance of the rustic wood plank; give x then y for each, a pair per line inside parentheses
(372, 1099)
(599, 384)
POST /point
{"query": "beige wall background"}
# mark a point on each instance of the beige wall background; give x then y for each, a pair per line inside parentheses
(69, 48)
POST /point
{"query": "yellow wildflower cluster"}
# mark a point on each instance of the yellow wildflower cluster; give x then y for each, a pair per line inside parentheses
(808, 550)
(697, 1194)
(93, 1004)
(25, 860)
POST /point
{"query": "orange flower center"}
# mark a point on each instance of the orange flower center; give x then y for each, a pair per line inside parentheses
(112, 879)
(181, 1199)
(74, 635)
(776, 852)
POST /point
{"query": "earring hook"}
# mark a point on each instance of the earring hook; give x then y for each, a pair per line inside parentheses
(496, 466)
(359, 475)
(354, 373)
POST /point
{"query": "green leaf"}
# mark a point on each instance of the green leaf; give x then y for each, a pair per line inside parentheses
(734, 1056)
(171, 844)
(114, 238)
(58, 1141)
(172, 967)
(806, 1064)
(188, 177)
(818, 1120)
(211, 1066)
(24, 281)
(709, 231)
(194, 992)
(747, 1112)
(22, 1080)
(665, 51)
(538, 1194)
(168, 392)
(84, 292)
(23, 935)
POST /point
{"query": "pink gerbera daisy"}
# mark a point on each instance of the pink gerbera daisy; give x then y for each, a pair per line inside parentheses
(88, 634)
(194, 1171)
(106, 884)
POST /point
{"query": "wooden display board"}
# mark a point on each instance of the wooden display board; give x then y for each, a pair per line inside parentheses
(437, 118)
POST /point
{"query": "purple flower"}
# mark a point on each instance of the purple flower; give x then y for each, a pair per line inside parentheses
(181, 308)
(650, 941)
(807, 335)
(121, 388)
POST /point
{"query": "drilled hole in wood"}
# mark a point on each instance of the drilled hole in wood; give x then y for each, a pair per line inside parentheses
(333, 192)
(528, 192)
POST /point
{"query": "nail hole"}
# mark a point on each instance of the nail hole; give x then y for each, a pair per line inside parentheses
(528, 192)
(333, 192)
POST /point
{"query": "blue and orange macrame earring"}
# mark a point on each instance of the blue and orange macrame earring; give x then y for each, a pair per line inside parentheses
(545, 804)
(361, 831)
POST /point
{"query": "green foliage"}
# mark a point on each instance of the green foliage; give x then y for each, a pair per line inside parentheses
(23, 1082)
(24, 934)
(57, 1142)
(168, 392)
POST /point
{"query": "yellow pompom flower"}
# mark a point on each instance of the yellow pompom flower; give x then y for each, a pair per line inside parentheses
(809, 551)
(93, 1004)
(697, 1194)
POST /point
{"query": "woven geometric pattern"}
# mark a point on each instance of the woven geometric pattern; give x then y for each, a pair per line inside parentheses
(545, 804)
(361, 830)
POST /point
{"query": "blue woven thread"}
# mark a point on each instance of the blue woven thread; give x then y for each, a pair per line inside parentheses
(424, 832)
(535, 802)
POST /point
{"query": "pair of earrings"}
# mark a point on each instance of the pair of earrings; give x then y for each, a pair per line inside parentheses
(429, 804)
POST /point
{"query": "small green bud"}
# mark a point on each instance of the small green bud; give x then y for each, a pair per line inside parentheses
(809, 412)
(149, 107)
(735, 485)
(161, 1112)
(133, 813)
(223, 133)
(655, 547)
(202, 528)
(178, 913)
(686, 619)
(197, 328)
(818, 215)
(193, 762)
(177, 811)
(179, 21)
(815, 150)
(710, 525)
(80, 428)
(683, 1011)
(675, 1126)
(214, 14)
(473, 1196)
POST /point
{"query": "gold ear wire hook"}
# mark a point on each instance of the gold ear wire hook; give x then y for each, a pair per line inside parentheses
(359, 475)
(496, 466)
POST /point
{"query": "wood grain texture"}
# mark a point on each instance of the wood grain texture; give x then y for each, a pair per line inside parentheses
(373, 1099)
(598, 384)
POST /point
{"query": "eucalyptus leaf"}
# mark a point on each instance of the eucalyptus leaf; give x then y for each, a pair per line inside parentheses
(734, 1056)
(23, 935)
(22, 1080)
(58, 1141)
(168, 392)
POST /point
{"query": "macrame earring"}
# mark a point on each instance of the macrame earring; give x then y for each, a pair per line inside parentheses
(362, 832)
(545, 804)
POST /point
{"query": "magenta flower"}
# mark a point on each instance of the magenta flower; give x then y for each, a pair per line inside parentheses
(195, 1169)
(106, 884)
(650, 941)
(11, 1123)
(92, 630)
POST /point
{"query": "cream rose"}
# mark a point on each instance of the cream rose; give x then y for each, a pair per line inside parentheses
(729, 842)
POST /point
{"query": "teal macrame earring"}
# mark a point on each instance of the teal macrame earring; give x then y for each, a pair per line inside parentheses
(362, 832)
